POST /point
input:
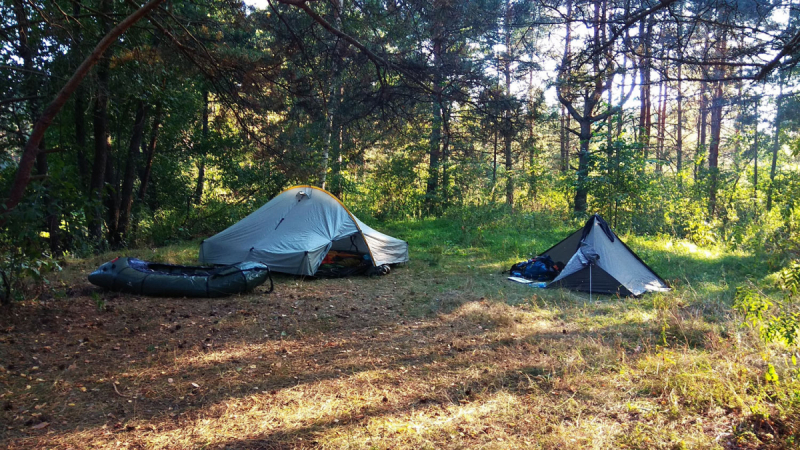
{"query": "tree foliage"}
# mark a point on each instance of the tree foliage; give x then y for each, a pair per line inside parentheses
(204, 110)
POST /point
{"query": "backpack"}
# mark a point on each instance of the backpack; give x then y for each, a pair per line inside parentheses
(539, 268)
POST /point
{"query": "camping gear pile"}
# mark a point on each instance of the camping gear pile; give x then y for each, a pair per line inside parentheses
(540, 268)
(599, 262)
(338, 264)
(135, 276)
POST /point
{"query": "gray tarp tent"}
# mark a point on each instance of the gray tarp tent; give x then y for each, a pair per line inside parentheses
(294, 231)
(596, 257)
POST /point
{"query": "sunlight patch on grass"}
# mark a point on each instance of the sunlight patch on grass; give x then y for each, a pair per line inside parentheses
(475, 421)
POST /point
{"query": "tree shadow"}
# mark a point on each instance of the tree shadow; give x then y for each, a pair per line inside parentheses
(227, 346)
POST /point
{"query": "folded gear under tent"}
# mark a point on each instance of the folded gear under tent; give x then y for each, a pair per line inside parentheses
(597, 261)
(294, 231)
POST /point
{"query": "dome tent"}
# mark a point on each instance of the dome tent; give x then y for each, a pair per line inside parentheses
(599, 262)
(294, 231)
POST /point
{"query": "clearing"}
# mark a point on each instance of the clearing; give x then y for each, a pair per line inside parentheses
(441, 353)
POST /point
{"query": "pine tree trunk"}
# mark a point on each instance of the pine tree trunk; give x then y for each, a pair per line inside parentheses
(494, 158)
(565, 115)
(713, 149)
(434, 142)
(333, 100)
(775, 145)
(111, 188)
(679, 128)
(126, 193)
(662, 127)
(445, 186)
(645, 114)
(702, 148)
(508, 126)
(80, 102)
(564, 166)
(580, 204)
(755, 157)
(201, 166)
(101, 136)
(151, 151)
(30, 88)
(621, 114)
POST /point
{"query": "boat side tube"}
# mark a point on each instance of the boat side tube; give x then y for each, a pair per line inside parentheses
(139, 277)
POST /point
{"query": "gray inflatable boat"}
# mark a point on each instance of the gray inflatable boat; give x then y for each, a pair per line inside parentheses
(135, 276)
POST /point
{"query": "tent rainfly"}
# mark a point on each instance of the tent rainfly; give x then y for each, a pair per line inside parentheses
(599, 262)
(294, 231)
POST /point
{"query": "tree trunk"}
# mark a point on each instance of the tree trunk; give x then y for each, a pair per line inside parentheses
(101, 135)
(775, 145)
(126, 193)
(621, 114)
(508, 126)
(338, 148)
(713, 150)
(679, 129)
(565, 121)
(111, 188)
(30, 88)
(434, 142)
(609, 136)
(445, 187)
(645, 114)
(333, 100)
(702, 148)
(31, 150)
(201, 166)
(80, 102)
(662, 126)
(582, 190)
(494, 159)
(755, 157)
(565, 114)
(151, 151)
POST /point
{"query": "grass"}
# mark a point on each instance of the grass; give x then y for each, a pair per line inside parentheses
(441, 353)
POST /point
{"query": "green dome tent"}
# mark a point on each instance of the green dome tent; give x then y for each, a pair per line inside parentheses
(294, 231)
(597, 261)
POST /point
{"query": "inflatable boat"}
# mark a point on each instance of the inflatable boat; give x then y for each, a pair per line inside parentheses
(135, 276)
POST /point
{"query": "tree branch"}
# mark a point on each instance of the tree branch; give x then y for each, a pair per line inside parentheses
(31, 150)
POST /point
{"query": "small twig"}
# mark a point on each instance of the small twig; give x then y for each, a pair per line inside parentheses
(118, 392)
(565, 401)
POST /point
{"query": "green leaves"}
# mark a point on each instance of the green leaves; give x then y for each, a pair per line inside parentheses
(781, 326)
(784, 328)
(771, 375)
(790, 278)
(751, 303)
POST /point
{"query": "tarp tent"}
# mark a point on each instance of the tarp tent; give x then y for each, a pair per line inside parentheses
(294, 231)
(598, 261)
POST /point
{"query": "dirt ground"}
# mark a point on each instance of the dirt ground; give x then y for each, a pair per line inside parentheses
(400, 361)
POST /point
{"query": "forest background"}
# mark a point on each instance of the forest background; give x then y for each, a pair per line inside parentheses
(670, 117)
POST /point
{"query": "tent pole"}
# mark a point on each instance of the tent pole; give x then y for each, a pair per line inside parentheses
(590, 283)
